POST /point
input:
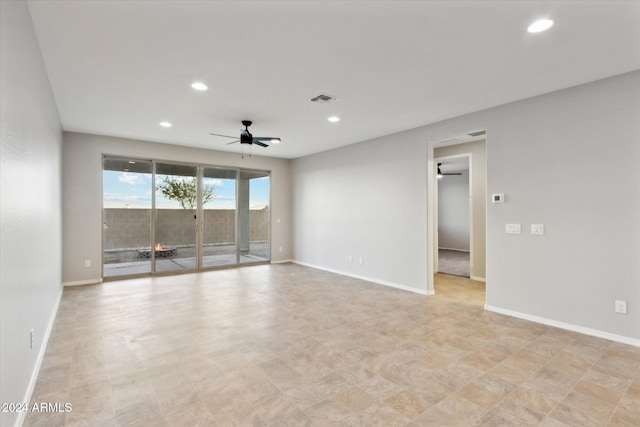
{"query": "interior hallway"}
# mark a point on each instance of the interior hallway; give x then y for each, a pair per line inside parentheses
(286, 345)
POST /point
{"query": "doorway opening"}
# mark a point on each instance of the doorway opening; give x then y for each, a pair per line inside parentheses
(457, 217)
(453, 232)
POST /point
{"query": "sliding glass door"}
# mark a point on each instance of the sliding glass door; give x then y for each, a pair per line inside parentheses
(218, 217)
(254, 216)
(176, 206)
(164, 217)
(126, 216)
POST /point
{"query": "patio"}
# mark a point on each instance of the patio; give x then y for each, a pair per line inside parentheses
(126, 261)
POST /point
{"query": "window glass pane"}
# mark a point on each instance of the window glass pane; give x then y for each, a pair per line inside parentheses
(254, 216)
(176, 222)
(126, 200)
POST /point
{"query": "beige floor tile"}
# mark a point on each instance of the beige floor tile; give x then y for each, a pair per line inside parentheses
(537, 402)
(435, 416)
(569, 363)
(573, 417)
(617, 366)
(354, 399)
(274, 408)
(509, 374)
(552, 383)
(597, 410)
(495, 385)
(329, 413)
(624, 417)
(139, 412)
(517, 414)
(598, 391)
(479, 395)
(492, 419)
(289, 345)
(381, 415)
(407, 404)
(297, 419)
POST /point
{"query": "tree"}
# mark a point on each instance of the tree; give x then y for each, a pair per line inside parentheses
(184, 191)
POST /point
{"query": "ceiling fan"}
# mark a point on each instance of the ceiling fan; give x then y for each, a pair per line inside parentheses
(247, 138)
(444, 174)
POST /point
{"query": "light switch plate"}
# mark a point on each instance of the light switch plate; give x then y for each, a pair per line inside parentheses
(513, 229)
(497, 198)
(537, 229)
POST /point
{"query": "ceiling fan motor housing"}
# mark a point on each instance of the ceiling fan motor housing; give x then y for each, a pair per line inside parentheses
(246, 137)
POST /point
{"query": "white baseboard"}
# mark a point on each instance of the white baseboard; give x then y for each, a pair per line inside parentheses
(479, 279)
(282, 261)
(368, 279)
(82, 282)
(40, 358)
(568, 326)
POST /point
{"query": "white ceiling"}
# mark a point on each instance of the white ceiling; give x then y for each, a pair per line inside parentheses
(120, 67)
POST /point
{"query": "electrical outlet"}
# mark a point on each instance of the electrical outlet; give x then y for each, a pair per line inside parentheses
(513, 229)
(350, 259)
(87, 263)
(361, 260)
(621, 307)
(280, 248)
(537, 229)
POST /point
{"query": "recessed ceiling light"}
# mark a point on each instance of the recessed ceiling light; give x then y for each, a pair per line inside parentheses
(165, 124)
(334, 119)
(276, 141)
(131, 162)
(540, 25)
(199, 86)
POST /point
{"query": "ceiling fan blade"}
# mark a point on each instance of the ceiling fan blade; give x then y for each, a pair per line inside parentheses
(266, 138)
(452, 173)
(233, 142)
(262, 144)
(226, 136)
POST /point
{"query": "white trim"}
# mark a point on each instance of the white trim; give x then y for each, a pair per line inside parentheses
(568, 326)
(478, 279)
(282, 261)
(432, 238)
(82, 282)
(368, 279)
(458, 250)
(40, 358)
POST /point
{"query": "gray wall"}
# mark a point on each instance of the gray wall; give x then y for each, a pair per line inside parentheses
(363, 200)
(82, 180)
(569, 159)
(453, 212)
(30, 204)
(477, 149)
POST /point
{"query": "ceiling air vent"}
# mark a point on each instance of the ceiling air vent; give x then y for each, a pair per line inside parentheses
(477, 133)
(323, 99)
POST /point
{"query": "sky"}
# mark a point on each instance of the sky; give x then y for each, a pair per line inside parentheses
(133, 190)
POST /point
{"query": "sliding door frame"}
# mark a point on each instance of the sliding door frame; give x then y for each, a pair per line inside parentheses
(199, 241)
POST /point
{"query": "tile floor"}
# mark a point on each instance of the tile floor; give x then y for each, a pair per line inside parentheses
(285, 345)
